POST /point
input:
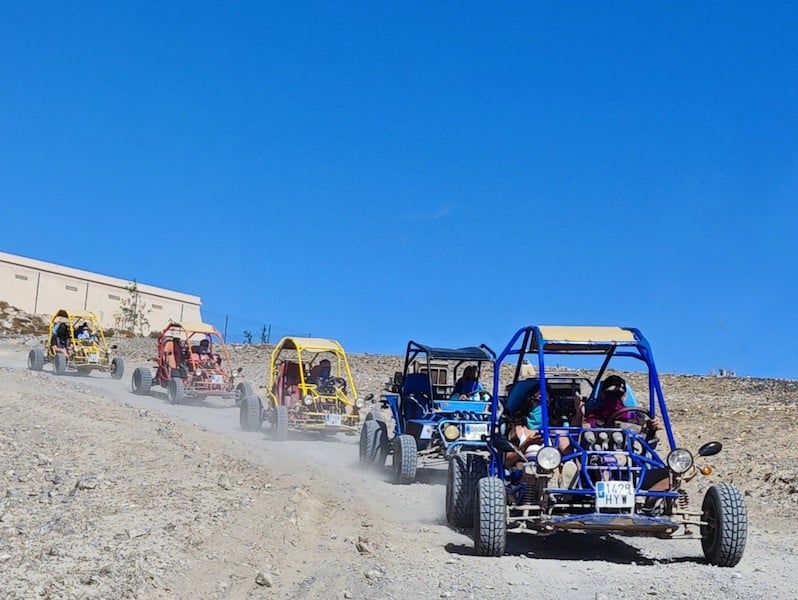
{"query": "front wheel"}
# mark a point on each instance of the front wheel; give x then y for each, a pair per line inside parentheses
(36, 359)
(465, 470)
(176, 391)
(279, 422)
(725, 530)
(59, 363)
(117, 368)
(490, 517)
(142, 381)
(249, 413)
(373, 443)
(405, 459)
(243, 390)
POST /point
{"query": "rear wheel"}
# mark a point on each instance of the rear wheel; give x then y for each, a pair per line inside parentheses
(243, 390)
(142, 381)
(373, 443)
(724, 535)
(405, 459)
(176, 391)
(59, 363)
(117, 368)
(490, 517)
(465, 471)
(249, 413)
(36, 359)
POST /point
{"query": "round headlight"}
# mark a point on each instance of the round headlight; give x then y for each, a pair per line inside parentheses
(198, 372)
(549, 458)
(451, 432)
(680, 460)
(360, 403)
(308, 400)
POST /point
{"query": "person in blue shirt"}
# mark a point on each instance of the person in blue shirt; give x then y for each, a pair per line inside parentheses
(467, 385)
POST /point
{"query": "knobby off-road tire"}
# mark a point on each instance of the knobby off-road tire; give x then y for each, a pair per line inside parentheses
(36, 359)
(723, 537)
(117, 367)
(465, 471)
(279, 419)
(243, 390)
(142, 381)
(59, 363)
(176, 391)
(249, 413)
(490, 517)
(373, 443)
(405, 459)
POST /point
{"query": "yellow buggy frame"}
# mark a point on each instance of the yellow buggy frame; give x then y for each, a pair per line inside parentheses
(301, 396)
(68, 352)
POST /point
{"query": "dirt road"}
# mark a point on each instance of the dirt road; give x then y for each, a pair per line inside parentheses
(108, 494)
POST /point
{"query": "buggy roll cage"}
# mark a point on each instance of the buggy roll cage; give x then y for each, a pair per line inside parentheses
(578, 341)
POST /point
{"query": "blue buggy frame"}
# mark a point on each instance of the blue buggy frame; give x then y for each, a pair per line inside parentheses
(608, 488)
(429, 425)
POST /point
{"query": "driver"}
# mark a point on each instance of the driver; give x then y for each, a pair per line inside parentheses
(467, 385)
(205, 354)
(611, 399)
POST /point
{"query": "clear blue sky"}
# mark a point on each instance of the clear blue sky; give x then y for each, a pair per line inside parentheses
(446, 172)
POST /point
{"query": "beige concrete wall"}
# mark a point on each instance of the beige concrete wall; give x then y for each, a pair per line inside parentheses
(43, 288)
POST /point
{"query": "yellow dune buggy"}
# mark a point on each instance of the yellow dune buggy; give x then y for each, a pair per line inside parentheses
(310, 389)
(76, 342)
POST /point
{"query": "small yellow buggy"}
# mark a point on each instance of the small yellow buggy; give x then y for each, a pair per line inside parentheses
(310, 389)
(76, 342)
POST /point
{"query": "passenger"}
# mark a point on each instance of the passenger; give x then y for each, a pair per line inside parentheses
(59, 342)
(467, 385)
(84, 333)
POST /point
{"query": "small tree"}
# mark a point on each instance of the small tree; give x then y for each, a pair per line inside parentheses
(133, 310)
(264, 335)
(247, 337)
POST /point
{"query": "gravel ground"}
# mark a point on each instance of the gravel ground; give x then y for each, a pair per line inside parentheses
(104, 494)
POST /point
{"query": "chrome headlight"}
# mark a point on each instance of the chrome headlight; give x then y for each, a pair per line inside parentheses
(198, 372)
(549, 458)
(680, 460)
(360, 403)
(451, 432)
(308, 400)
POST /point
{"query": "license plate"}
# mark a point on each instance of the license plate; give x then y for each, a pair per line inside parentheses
(426, 432)
(475, 431)
(217, 379)
(614, 494)
(93, 358)
(334, 420)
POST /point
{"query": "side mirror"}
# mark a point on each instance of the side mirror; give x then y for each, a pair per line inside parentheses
(710, 449)
(369, 398)
(398, 379)
(239, 369)
(114, 347)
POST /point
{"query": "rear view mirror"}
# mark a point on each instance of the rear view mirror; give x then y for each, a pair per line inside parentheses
(710, 449)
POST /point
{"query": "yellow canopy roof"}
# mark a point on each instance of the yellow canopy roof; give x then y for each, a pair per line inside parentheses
(582, 335)
(308, 343)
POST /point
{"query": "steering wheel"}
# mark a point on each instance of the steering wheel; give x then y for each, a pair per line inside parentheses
(635, 409)
(481, 394)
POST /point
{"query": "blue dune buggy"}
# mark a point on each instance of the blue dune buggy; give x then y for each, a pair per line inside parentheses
(608, 478)
(434, 416)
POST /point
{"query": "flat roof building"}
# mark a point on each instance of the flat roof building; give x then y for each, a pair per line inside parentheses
(40, 287)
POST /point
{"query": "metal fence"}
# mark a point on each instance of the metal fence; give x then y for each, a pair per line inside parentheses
(238, 330)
